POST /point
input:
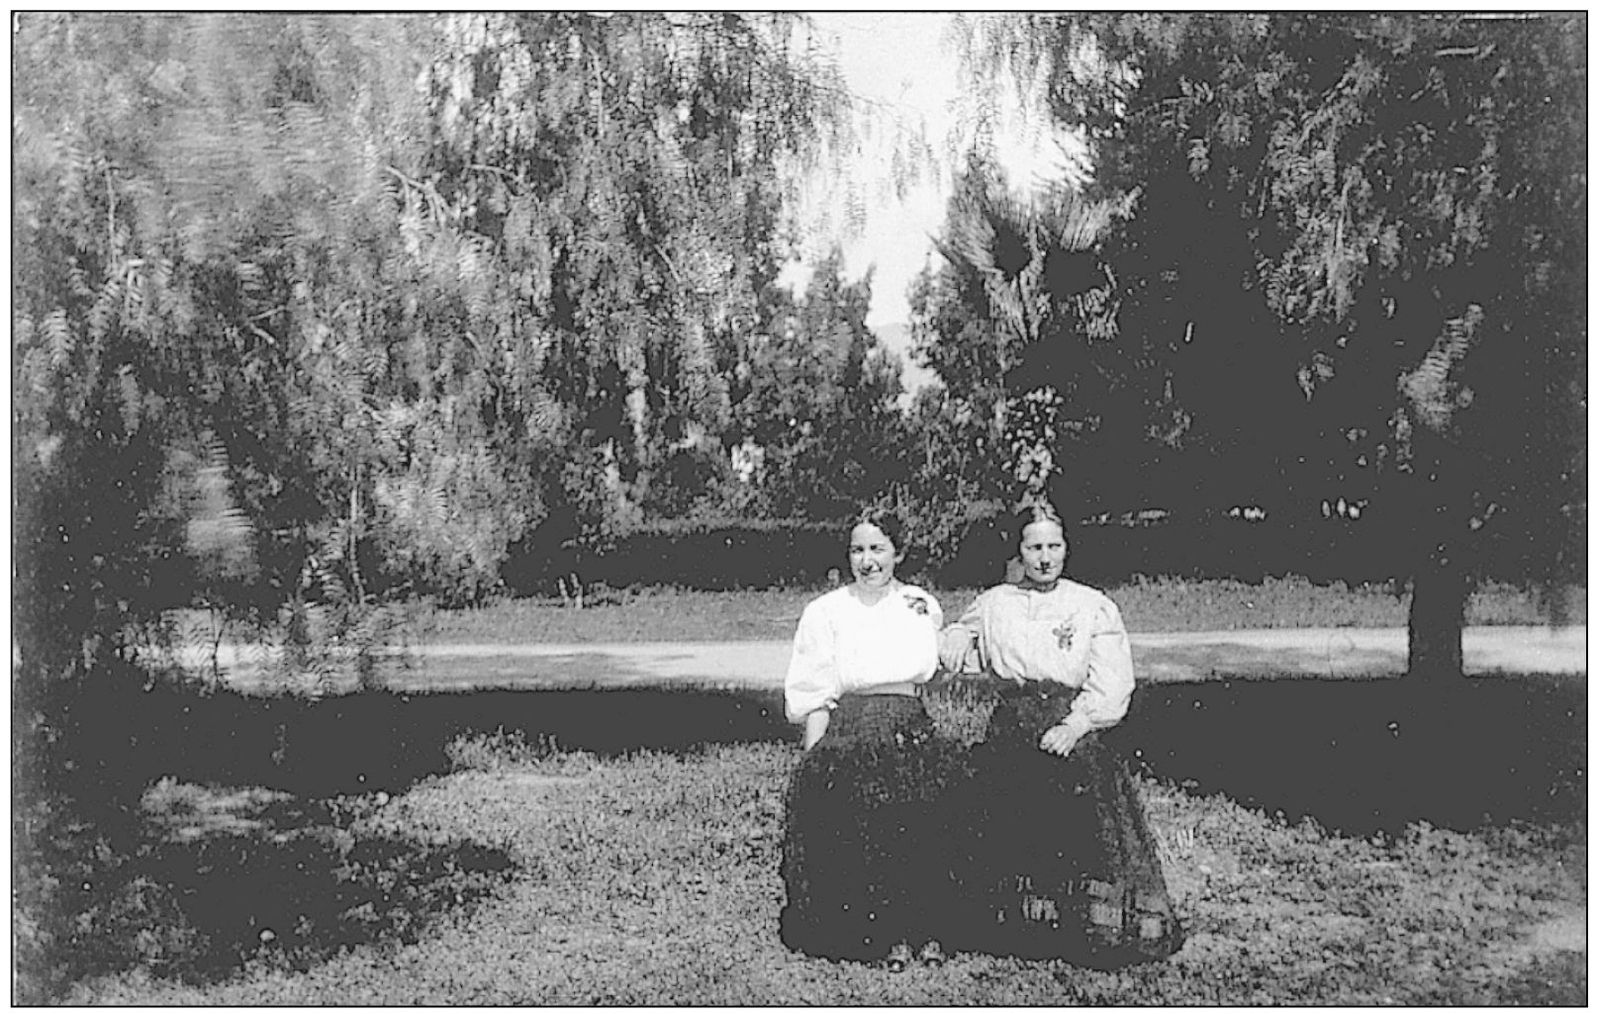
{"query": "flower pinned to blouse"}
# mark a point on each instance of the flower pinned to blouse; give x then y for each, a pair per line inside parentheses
(919, 605)
(1064, 632)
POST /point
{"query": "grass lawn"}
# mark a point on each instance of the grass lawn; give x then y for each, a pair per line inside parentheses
(1325, 844)
(652, 879)
(1164, 604)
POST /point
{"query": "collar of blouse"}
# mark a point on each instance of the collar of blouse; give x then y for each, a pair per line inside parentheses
(864, 597)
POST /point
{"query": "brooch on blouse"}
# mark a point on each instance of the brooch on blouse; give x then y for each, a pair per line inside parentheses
(918, 604)
(1063, 633)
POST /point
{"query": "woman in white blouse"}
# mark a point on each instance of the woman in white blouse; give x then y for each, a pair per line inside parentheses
(861, 852)
(1059, 861)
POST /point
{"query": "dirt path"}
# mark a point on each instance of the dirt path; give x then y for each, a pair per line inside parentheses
(1171, 657)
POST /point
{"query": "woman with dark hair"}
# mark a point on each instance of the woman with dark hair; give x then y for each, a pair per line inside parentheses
(1058, 860)
(861, 857)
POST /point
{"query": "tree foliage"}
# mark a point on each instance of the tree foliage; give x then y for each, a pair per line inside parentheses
(619, 173)
(315, 312)
(1398, 195)
(310, 310)
(819, 398)
(1022, 322)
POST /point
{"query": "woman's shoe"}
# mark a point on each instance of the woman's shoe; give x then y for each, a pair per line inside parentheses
(899, 957)
(932, 954)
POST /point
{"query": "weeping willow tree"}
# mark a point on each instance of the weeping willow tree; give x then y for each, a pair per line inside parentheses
(620, 178)
(202, 227)
(313, 310)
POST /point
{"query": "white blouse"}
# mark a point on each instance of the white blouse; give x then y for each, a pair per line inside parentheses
(1072, 634)
(843, 645)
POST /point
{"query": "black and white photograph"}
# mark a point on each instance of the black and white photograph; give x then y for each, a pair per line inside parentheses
(799, 509)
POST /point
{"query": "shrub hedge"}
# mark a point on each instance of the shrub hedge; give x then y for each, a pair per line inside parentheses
(724, 555)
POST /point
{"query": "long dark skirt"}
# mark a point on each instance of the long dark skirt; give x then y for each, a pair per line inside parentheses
(1057, 860)
(865, 858)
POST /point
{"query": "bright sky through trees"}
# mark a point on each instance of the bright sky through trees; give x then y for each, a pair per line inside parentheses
(905, 66)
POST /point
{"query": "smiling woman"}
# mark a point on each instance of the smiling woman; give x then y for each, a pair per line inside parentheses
(861, 854)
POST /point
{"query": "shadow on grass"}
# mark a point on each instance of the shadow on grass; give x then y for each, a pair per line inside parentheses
(1355, 756)
(363, 742)
(182, 894)
(1359, 756)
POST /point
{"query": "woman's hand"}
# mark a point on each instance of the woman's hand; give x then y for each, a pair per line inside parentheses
(815, 724)
(953, 648)
(1061, 739)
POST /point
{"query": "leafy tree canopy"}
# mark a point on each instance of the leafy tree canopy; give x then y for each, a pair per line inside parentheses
(1404, 195)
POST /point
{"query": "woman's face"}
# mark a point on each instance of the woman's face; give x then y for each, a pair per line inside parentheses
(872, 556)
(1042, 551)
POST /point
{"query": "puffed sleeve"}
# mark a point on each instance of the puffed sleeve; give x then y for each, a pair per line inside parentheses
(956, 643)
(1106, 694)
(812, 675)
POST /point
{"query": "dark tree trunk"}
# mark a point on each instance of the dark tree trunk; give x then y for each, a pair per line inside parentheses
(1436, 618)
(1443, 578)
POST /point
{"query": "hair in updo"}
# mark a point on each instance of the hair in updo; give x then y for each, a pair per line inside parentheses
(888, 521)
(1029, 513)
